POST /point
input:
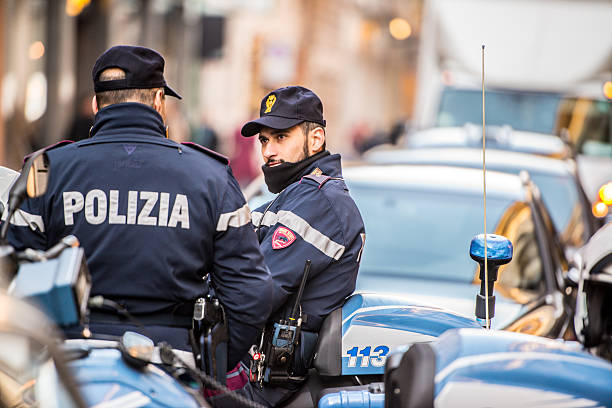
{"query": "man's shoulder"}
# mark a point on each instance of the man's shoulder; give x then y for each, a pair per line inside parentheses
(318, 187)
(319, 196)
(306, 199)
(52, 147)
(207, 152)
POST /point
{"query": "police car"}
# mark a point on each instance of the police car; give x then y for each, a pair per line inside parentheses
(557, 180)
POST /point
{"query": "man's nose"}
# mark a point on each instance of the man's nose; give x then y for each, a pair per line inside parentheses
(269, 151)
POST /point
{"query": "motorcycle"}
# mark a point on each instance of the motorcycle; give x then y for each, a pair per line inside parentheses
(482, 368)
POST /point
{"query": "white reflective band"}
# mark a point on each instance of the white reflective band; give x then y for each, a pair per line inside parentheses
(24, 219)
(311, 235)
(257, 216)
(236, 219)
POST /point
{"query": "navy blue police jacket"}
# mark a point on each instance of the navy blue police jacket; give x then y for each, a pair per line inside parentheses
(154, 217)
(314, 218)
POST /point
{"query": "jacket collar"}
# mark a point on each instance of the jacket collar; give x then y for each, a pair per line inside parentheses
(129, 117)
(329, 165)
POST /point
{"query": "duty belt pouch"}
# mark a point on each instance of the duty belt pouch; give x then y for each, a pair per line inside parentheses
(214, 351)
(211, 336)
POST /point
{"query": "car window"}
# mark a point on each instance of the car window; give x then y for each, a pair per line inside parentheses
(561, 196)
(419, 233)
(589, 124)
(529, 111)
(556, 242)
(425, 234)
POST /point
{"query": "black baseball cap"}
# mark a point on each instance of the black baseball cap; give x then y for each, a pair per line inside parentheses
(285, 108)
(144, 69)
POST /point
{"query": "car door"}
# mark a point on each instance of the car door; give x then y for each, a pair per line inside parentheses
(555, 265)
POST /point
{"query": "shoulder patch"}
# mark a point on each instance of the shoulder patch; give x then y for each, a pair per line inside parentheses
(320, 179)
(282, 238)
(50, 147)
(208, 152)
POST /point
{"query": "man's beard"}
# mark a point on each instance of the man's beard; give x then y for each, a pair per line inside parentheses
(280, 176)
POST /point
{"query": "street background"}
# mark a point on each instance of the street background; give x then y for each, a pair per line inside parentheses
(222, 56)
(379, 66)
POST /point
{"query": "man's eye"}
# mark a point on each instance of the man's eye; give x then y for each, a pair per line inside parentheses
(263, 140)
(281, 136)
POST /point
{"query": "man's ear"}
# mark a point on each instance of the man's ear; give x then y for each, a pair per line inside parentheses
(158, 103)
(316, 140)
(94, 105)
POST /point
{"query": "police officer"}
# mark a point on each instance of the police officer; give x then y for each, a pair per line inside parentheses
(154, 216)
(312, 218)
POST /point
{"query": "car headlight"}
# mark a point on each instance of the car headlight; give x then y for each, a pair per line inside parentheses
(605, 193)
(600, 209)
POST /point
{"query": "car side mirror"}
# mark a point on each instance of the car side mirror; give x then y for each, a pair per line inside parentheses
(32, 182)
(38, 176)
(572, 278)
(136, 349)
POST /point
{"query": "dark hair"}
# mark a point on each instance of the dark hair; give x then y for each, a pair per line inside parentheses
(307, 127)
(144, 96)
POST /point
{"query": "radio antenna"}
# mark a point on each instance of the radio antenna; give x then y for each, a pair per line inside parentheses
(484, 185)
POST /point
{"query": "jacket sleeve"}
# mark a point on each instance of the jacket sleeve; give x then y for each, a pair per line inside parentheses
(240, 277)
(27, 226)
(315, 235)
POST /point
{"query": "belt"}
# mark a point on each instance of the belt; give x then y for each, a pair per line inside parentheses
(157, 319)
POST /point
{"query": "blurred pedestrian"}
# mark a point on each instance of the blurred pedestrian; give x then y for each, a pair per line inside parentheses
(82, 121)
(204, 135)
(243, 160)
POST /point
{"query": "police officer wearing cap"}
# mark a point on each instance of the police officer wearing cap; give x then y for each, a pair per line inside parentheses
(154, 217)
(312, 218)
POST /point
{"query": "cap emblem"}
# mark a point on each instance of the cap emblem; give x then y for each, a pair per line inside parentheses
(270, 103)
(282, 238)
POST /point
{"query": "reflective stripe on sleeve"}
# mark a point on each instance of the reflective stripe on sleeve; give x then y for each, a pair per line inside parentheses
(24, 219)
(236, 219)
(256, 216)
(310, 234)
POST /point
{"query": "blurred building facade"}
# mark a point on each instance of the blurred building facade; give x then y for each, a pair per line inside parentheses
(223, 56)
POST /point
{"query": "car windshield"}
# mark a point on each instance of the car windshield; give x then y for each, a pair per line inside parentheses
(418, 234)
(528, 111)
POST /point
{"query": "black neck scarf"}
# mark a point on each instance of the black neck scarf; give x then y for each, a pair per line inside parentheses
(280, 176)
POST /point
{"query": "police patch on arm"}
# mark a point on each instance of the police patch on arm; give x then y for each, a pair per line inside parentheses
(282, 238)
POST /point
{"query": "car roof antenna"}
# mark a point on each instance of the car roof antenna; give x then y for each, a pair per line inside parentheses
(484, 186)
(501, 248)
